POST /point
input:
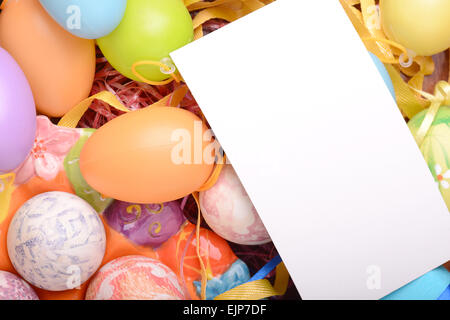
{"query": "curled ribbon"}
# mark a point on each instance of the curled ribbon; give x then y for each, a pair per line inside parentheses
(71, 118)
(259, 289)
(228, 10)
(164, 67)
(367, 22)
(203, 272)
(440, 98)
(207, 185)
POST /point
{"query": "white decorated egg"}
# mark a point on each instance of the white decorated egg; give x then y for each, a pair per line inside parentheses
(56, 241)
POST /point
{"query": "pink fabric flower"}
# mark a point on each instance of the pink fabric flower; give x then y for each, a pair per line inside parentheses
(51, 146)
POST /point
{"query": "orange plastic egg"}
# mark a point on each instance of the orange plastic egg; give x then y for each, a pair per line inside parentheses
(153, 155)
(59, 66)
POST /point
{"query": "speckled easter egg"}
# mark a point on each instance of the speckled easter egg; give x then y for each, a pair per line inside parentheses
(229, 211)
(56, 241)
(14, 288)
(135, 278)
(145, 224)
(436, 148)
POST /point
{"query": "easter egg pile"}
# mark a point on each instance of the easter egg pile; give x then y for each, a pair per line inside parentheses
(101, 204)
(112, 185)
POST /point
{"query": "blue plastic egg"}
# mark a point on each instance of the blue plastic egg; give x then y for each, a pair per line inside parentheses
(89, 19)
(382, 69)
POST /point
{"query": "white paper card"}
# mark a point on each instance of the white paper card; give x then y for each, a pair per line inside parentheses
(322, 149)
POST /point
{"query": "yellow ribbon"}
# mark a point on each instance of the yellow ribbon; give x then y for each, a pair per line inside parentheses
(6, 190)
(228, 10)
(203, 272)
(440, 98)
(408, 101)
(214, 175)
(71, 118)
(165, 67)
(259, 289)
(367, 23)
(207, 185)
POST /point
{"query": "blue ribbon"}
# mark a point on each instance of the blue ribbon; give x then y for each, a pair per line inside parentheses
(272, 264)
(264, 271)
(445, 295)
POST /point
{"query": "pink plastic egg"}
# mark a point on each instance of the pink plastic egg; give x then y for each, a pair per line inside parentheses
(135, 278)
(229, 211)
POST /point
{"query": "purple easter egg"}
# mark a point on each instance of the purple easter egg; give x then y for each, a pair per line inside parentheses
(145, 224)
(17, 114)
(14, 288)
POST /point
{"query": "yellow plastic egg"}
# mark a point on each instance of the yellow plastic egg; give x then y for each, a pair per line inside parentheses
(422, 26)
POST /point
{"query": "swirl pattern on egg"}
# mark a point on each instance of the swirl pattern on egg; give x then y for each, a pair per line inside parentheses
(135, 278)
(145, 224)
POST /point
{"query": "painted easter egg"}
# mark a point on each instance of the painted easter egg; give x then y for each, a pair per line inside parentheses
(17, 114)
(223, 269)
(73, 172)
(14, 288)
(152, 155)
(229, 211)
(135, 278)
(422, 26)
(147, 225)
(56, 241)
(150, 30)
(53, 60)
(86, 18)
(436, 148)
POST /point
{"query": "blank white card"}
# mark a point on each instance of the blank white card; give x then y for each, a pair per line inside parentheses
(321, 148)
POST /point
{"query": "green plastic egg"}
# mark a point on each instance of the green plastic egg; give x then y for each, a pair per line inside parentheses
(150, 30)
(73, 172)
(436, 148)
